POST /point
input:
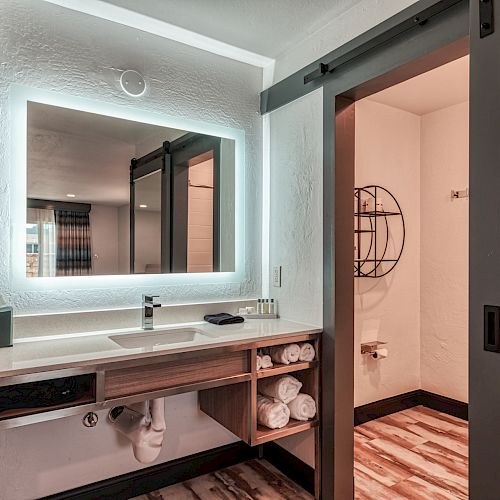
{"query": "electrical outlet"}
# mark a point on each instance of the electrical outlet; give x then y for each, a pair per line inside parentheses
(277, 276)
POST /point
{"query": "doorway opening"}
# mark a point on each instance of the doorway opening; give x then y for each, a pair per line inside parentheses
(411, 177)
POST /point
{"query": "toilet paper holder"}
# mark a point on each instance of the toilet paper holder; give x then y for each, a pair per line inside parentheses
(371, 347)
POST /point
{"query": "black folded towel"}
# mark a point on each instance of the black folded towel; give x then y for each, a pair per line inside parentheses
(223, 319)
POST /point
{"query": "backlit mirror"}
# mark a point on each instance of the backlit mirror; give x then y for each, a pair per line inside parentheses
(109, 196)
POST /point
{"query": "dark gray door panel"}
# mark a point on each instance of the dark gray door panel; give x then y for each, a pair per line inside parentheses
(484, 366)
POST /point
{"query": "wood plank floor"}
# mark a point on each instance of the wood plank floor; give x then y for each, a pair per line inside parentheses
(252, 480)
(414, 454)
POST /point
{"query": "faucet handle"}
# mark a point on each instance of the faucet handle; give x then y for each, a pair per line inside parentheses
(150, 299)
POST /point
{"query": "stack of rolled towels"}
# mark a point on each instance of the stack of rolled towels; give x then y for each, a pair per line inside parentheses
(291, 353)
(279, 399)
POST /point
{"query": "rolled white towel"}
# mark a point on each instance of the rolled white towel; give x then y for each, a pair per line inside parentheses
(303, 407)
(272, 414)
(285, 354)
(259, 362)
(267, 362)
(307, 352)
(284, 388)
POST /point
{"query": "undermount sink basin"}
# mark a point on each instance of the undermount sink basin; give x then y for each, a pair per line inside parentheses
(151, 338)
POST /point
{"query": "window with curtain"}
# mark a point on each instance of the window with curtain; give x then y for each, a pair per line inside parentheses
(40, 243)
(74, 255)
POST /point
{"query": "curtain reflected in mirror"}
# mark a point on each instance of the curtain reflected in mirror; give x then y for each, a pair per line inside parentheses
(73, 255)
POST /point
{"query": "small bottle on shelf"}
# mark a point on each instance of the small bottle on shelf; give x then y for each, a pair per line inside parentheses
(272, 306)
(259, 306)
(266, 306)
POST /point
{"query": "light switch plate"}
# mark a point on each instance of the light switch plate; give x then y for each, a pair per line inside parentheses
(277, 276)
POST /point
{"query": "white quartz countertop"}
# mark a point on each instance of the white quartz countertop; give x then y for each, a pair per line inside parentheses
(97, 348)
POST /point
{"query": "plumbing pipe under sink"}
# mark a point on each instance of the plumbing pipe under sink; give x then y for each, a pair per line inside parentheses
(144, 425)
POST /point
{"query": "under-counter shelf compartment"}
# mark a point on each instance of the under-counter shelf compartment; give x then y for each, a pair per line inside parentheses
(231, 407)
(235, 406)
(281, 368)
(309, 377)
(40, 396)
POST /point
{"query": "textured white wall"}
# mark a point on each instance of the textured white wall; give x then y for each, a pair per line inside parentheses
(49, 47)
(361, 17)
(388, 154)
(296, 230)
(444, 252)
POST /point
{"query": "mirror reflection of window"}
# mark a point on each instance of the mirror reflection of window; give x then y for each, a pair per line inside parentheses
(40, 243)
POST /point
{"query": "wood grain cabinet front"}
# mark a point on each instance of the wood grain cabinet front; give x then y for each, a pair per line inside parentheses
(167, 374)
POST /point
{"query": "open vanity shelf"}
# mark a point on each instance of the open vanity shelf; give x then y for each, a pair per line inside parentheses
(39, 396)
(236, 408)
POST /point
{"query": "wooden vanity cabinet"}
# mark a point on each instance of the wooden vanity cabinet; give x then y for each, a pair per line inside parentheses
(225, 377)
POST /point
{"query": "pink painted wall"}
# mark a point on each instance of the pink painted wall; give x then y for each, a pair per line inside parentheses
(444, 252)
(421, 308)
(388, 308)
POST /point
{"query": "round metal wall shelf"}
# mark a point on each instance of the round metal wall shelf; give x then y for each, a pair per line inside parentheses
(379, 232)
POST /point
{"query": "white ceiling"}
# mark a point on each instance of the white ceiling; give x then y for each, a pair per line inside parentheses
(428, 92)
(56, 119)
(85, 154)
(265, 27)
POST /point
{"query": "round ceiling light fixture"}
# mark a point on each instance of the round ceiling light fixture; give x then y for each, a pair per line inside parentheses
(132, 83)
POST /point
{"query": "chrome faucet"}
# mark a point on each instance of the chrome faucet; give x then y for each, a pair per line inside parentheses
(148, 305)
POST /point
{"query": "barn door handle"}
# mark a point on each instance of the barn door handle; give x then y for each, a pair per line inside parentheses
(486, 20)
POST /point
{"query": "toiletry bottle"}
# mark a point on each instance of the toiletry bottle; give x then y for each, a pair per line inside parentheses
(259, 306)
(6, 320)
(272, 307)
(266, 306)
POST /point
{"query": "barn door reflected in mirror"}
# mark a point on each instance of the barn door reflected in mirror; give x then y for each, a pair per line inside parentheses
(146, 224)
(175, 214)
(195, 162)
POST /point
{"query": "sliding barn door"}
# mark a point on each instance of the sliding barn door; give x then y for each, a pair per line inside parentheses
(484, 322)
(195, 171)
